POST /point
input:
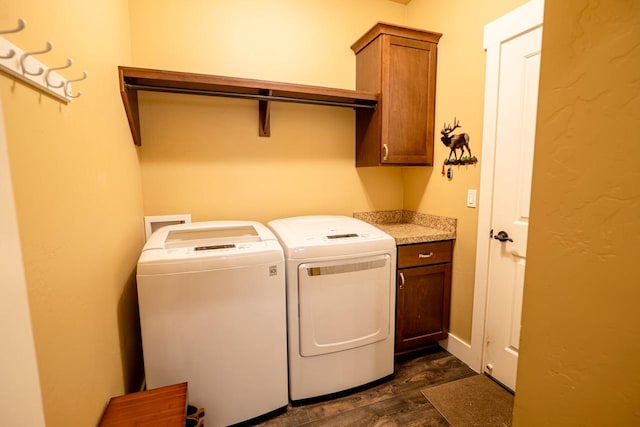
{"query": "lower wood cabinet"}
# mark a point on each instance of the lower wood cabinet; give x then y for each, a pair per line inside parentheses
(423, 294)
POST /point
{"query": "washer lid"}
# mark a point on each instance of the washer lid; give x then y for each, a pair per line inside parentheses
(325, 235)
(205, 246)
(209, 235)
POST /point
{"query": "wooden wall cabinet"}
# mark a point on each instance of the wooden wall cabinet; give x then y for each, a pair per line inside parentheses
(400, 64)
(423, 295)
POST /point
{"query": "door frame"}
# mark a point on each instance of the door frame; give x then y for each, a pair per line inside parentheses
(521, 20)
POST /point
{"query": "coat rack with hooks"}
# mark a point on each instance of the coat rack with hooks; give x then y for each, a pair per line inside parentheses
(24, 66)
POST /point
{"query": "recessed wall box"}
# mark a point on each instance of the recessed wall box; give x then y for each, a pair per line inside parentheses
(154, 222)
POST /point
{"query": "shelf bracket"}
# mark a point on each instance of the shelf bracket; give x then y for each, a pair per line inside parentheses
(130, 100)
(264, 116)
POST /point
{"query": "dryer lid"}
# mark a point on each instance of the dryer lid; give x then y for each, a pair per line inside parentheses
(322, 235)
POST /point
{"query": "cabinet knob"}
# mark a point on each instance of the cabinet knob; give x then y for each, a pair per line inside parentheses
(429, 255)
(401, 280)
(385, 149)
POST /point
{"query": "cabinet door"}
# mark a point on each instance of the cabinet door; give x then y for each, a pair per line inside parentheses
(408, 80)
(423, 299)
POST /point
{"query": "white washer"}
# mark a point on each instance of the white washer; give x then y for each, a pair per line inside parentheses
(212, 313)
(340, 303)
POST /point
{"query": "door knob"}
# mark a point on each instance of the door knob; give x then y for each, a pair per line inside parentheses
(503, 237)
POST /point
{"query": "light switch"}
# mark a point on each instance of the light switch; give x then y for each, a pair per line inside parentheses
(471, 198)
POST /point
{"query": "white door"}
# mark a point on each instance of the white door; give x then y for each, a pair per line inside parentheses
(517, 75)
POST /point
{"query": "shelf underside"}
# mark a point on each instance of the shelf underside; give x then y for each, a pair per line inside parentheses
(134, 79)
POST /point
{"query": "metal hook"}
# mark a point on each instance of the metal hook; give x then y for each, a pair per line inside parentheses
(37, 52)
(21, 24)
(62, 82)
(67, 86)
(11, 54)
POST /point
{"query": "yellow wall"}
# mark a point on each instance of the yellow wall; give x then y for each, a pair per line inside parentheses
(79, 207)
(460, 94)
(203, 155)
(580, 326)
(21, 396)
(81, 187)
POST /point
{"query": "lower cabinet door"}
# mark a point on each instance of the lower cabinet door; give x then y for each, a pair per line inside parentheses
(423, 300)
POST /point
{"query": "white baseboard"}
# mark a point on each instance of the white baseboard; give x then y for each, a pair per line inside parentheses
(461, 350)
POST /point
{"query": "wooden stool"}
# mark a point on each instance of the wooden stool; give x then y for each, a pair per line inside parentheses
(161, 407)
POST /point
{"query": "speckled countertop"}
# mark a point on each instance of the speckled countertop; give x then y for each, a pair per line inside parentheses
(411, 227)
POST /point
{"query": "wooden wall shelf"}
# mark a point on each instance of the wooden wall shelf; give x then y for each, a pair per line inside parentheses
(134, 79)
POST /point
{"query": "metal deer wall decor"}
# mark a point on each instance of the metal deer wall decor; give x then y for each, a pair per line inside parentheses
(454, 143)
(457, 142)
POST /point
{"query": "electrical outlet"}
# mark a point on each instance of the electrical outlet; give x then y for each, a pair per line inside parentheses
(471, 198)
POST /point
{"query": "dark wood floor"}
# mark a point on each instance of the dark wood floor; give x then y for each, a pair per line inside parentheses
(395, 402)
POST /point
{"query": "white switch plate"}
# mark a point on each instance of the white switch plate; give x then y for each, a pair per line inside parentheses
(471, 198)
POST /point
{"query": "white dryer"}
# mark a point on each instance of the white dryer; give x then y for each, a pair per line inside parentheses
(340, 303)
(212, 313)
